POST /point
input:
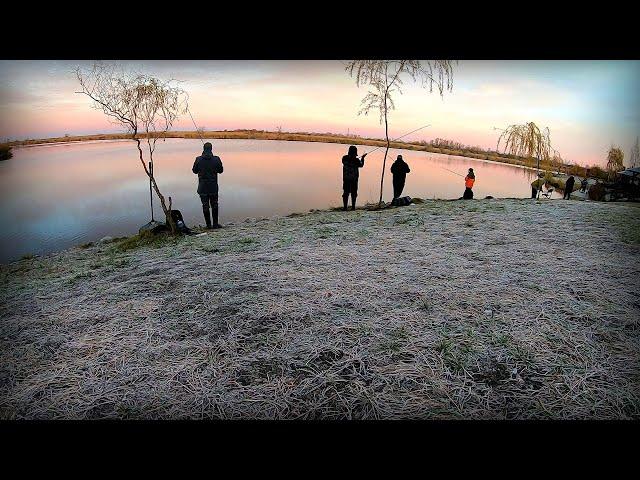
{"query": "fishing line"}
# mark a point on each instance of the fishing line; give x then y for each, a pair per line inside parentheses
(412, 131)
(194, 124)
(455, 173)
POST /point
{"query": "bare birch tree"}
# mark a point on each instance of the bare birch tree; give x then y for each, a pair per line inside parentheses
(142, 105)
(385, 78)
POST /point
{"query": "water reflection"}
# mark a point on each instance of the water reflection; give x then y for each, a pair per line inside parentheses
(56, 196)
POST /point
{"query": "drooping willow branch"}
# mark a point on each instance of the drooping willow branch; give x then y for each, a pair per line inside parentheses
(615, 161)
(529, 141)
(385, 78)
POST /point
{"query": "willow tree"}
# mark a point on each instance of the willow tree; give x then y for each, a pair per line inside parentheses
(385, 78)
(615, 161)
(144, 106)
(557, 162)
(527, 140)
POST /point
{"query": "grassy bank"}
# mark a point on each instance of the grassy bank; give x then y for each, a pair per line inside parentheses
(447, 309)
(421, 146)
(559, 183)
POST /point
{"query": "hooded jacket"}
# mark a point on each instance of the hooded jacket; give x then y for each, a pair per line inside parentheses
(207, 166)
(399, 169)
(350, 165)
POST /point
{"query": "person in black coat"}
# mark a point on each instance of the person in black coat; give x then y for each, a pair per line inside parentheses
(350, 174)
(207, 166)
(568, 187)
(399, 169)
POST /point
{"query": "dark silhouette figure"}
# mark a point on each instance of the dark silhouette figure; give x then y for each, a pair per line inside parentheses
(468, 184)
(583, 185)
(350, 174)
(207, 166)
(568, 188)
(399, 169)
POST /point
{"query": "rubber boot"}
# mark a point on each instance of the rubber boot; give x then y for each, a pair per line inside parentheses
(214, 215)
(345, 200)
(353, 203)
(207, 217)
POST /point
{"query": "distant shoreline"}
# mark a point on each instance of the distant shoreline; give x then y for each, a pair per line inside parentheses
(294, 137)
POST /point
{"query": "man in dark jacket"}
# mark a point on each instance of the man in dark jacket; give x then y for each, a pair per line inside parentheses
(399, 169)
(568, 187)
(350, 174)
(207, 166)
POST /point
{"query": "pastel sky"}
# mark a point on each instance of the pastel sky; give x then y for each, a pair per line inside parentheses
(587, 105)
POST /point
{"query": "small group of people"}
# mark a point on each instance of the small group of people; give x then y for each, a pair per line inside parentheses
(207, 166)
(351, 166)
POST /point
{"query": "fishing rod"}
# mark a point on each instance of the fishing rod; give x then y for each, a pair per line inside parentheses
(455, 173)
(412, 131)
(194, 124)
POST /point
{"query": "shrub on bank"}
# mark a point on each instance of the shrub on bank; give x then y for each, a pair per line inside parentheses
(5, 152)
(597, 172)
(597, 192)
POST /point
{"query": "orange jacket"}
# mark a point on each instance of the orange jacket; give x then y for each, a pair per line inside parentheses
(468, 181)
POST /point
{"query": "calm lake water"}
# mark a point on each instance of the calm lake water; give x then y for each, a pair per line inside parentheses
(56, 196)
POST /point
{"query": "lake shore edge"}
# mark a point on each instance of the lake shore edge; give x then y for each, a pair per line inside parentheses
(426, 311)
(292, 137)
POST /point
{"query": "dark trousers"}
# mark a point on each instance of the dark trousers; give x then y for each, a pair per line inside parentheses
(568, 188)
(207, 200)
(468, 194)
(398, 186)
(349, 187)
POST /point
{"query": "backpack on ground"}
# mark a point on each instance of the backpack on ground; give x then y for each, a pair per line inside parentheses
(176, 215)
(401, 201)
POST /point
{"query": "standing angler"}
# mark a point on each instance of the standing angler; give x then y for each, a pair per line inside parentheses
(469, 180)
(399, 169)
(207, 166)
(350, 174)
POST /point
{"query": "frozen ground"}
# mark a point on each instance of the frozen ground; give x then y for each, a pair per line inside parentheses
(448, 309)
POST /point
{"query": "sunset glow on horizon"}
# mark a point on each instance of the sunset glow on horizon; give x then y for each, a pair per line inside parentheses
(587, 105)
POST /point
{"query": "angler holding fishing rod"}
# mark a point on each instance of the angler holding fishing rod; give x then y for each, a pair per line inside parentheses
(207, 166)
(351, 166)
(469, 180)
(351, 173)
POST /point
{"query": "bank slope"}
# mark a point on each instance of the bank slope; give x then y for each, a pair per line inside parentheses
(480, 309)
